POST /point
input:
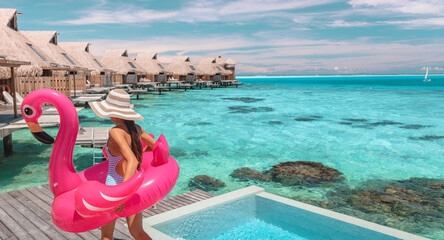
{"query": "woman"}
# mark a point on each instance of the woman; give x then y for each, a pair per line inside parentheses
(124, 151)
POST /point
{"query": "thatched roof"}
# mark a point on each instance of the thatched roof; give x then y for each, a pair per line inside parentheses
(47, 41)
(230, 61)
(208, 66)
(182, 66)
(150, 63)
(120, 62)
(17, 47)
(219, 60)
(221, 63)
(80, 51)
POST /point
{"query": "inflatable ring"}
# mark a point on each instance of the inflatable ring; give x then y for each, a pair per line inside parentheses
(82, 201)
(2, 87)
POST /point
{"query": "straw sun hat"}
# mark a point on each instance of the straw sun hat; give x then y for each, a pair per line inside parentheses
(116, 104)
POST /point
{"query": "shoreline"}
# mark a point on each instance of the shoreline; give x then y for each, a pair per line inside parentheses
(326, 76)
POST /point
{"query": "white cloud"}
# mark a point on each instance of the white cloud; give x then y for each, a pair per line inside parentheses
(120, 16)
(342, 23)
(418, 23)
(250, 6)
(403, 6)
(194, 11)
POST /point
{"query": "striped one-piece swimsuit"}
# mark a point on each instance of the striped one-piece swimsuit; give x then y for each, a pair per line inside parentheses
(113, 177)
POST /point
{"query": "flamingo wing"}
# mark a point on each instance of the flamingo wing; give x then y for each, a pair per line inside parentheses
(161, 151)
(93, 198)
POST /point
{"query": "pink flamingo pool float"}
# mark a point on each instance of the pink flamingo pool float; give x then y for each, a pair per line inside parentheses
(82, 201)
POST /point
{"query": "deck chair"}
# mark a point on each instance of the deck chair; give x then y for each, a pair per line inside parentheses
(10, 101)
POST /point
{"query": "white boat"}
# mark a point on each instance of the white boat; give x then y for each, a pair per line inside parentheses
(426, 75)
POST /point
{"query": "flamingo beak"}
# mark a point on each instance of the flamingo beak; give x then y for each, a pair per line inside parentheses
(39, 134)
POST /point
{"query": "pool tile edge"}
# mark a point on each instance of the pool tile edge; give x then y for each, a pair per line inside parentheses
(165, 217)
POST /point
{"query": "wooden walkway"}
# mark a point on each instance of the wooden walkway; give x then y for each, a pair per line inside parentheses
(26, 214)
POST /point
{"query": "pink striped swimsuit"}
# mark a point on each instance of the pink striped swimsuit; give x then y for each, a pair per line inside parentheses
(113, 177)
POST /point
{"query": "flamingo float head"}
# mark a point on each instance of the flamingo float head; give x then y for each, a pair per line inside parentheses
(31, 111)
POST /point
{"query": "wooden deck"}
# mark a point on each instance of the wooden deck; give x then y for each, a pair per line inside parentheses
(92, 136)
(26, 214)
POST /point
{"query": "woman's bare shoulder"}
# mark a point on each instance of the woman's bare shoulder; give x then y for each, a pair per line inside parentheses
(116, 132)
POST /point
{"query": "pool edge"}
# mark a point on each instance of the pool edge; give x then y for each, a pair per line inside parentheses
(344, 218)
(166, 217)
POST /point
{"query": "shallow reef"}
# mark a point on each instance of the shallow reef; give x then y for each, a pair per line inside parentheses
(414, 205)
(248, 109)
(205, 183)
(244, 99)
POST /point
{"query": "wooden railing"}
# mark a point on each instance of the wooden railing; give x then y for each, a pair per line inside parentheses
(118, 79)
(63, 84)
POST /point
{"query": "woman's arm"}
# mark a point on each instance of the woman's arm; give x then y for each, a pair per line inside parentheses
(147, 139)
(117, 136)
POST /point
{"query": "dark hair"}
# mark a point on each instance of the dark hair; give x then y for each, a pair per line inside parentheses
(136, 145)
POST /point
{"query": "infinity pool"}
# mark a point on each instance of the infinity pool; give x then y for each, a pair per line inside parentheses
(251, 213)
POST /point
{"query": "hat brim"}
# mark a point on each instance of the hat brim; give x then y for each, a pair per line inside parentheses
(104, 110)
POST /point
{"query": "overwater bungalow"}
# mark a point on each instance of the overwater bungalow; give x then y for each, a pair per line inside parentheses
(47, 42)
(100, 74)
(230, 65)
(41, 73)
(125, 66)
(154, 69)
(183, 70)
(227, 67)
(210, 70)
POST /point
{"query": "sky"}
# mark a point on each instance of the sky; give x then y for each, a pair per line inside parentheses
(274, 37)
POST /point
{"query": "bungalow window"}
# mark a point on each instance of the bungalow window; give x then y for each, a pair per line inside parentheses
(132, 65)
(160, 65)
(33, 49)
(218, 68)
(192, 68)
(13, 23)
(53, 40)
(100, 65)
(69, 59)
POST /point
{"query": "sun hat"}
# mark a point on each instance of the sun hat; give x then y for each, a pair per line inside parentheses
(117, 104)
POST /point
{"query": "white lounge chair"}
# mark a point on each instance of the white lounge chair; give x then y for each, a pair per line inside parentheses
(10, 100)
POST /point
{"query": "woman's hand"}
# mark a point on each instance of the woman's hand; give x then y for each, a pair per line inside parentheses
(120, 209)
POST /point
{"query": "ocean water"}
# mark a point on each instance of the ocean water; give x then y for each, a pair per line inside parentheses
(367, 127)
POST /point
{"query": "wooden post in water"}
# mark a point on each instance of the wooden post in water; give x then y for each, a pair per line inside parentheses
(7, 145)
(74, 81)
(13, 92)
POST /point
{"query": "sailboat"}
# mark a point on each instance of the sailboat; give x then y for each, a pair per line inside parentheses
(426, 75)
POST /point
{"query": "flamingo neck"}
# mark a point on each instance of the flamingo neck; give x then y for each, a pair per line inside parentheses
(62, 175)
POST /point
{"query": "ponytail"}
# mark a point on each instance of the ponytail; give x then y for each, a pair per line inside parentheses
(136, 145)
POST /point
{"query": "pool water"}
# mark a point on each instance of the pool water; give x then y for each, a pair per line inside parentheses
(380, 128)
(256, 217)
(258, 229)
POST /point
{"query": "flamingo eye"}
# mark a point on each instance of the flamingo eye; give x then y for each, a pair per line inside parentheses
(29, 111)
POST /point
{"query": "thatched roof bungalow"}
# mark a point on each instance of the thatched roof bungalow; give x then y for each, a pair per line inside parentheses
(230, 65)
(100, 74)
(47, 41)
(229, 62)
(80, 51)
(211, 70)
(15, 46)
(154, 69)
(221, 62)
(119, 61)
(183, 69)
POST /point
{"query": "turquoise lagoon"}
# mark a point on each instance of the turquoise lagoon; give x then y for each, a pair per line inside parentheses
(382, 128)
